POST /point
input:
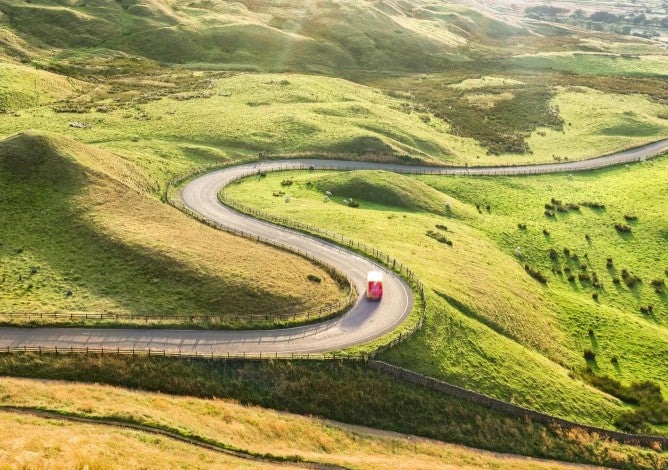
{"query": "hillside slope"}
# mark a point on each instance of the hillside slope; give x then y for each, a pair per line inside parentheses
(23, 87)
(303, 35)
(250, 428)
(76, 238)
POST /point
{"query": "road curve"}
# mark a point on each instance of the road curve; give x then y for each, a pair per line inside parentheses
(364, 322)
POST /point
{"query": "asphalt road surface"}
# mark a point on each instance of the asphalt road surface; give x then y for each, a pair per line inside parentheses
(365, 321)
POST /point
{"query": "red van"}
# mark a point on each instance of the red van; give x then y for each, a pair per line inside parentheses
(374, 285)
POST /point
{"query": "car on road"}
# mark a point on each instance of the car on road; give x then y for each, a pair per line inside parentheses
(374, 285)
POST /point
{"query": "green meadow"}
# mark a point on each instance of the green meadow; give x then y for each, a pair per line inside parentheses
(545, 291)
(75, 239)
(490, 325)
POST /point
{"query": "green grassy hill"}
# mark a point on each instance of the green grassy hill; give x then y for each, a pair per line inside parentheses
(382, 188)
(304, 35)
(24, 87)
(76, 239)
(123, 95)
(490, 325)
(342, 391)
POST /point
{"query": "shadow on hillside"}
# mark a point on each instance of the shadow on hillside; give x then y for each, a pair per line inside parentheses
(40, 217)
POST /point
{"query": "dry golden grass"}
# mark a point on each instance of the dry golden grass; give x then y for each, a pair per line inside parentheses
(31, 442)
(246, 427)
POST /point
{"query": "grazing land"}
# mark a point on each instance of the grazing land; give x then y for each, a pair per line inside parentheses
(76, 239)
(249, 429)
(479, 287)
(530, 299)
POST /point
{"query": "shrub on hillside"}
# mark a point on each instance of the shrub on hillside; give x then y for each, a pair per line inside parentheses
(632, 422)
(629, 279)
(589, 355)
(536, 274)
(622, 228)
(658, 282)
(439, 237)
(593, 205)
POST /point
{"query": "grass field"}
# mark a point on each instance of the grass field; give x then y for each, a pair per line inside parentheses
(39, 443)
(259, 34)
(239, 116)
(249, 428)
(490, 326)
(342, 391)
(24, 87)
(77, 240)
(529, 117)
(112, 99)
(594, 64)
(236, 117)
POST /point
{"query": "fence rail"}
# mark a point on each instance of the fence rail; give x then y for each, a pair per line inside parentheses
(178, 353)
(324, 311)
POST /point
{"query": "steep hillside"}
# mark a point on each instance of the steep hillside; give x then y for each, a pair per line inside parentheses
(41, 443)
(304, 35)
(575, 302)
(76, 238)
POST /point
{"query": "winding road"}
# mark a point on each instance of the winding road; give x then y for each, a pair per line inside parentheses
(365, 321)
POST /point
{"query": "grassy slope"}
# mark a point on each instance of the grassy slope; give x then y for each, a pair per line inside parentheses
(251, 33)
(606, 122)
(24, 87)
(494, 328)
(335, 37)
(244, 427)
(70, 227)
(341, 391)
(251, 113)
(620, 329)
(593, 64)
(232, 117)
(531, 117)
(33, 442)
